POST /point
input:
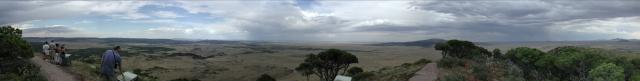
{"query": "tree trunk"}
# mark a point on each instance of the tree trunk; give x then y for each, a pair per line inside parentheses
(344, 72)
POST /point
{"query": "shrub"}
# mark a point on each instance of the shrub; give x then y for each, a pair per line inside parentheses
(450, 62)
(14, 55)
(185, 79)
(635, 77)
(481, 71)
(265, 77)
(354, 70)
(454, 77)
(362, 76)
(607, 72)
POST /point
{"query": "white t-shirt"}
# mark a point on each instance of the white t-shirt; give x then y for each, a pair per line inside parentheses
(45, 48)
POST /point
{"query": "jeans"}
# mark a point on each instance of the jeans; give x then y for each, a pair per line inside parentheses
(109, 78)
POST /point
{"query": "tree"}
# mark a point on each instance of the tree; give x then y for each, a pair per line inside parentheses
(461, 49)
(607, 72)
(13, 47)
(496, 53)
(305, 69)
(636, 63)
(265, 77)
(525, 58)
(327, 64)
(348, 59)
(444, 47)
(572, 61)
(14, 55)
(355, 70)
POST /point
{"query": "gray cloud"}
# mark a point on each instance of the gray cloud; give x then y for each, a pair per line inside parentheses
(526, 20)
(51, 30)
(511, 20)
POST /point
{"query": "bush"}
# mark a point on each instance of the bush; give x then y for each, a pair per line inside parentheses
(362, 76)
(20, 70)
(354, 70)
(450, 62)
(14, 55)
(480, 71)
(265, 77)
(454, 77)
(422, 61)
(185, 79)
(635, 77)
(607, 72)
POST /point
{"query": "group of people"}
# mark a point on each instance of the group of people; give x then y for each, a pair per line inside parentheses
(54, 53)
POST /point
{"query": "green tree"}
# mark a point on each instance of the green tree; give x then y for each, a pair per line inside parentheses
(461, 49)
(14, 55)
(525, 58)
(575, 62)
(444, 47)
(607, 72)
(354, 70)
(12, 44)
(636, 63)
(327, 64)
(306, 69)
(497, 54)
(265, 77)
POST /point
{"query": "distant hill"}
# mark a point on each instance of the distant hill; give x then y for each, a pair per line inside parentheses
(623, 40)
(421, 43)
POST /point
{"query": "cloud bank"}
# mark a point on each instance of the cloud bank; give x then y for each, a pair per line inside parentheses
(320, 20)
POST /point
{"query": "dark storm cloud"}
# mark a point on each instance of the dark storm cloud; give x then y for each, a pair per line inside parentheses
(524, 20)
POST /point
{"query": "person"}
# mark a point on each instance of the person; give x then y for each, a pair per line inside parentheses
(52, 51)
(45, 50)
(57, 54)
(62, 55)
(110, 61)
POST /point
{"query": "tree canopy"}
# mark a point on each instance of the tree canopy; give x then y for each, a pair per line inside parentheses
(607, 72)
(461, 49)
(12, 45)
(327, 64)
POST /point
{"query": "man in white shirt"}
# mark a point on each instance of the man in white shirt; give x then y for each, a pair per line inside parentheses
(45, 50)
(52, 51)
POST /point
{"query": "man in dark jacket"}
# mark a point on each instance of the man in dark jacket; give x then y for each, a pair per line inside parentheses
(110, 62)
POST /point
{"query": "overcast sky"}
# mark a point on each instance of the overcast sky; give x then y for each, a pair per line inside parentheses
(331, 20)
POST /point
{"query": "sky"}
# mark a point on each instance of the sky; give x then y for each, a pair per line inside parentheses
(329, 20)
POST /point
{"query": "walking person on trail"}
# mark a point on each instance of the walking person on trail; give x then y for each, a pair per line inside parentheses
(45, 51)
(110, 62)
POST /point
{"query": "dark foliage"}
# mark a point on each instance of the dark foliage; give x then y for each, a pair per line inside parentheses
(185, 79)
(14, 55)
(327, 64)
(354, 71)
(265, 77)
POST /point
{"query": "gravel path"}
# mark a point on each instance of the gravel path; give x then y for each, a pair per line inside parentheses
(428, 73)
(51, 71)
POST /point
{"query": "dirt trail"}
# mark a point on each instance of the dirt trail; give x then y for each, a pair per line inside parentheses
(428, 73)
(51, 71)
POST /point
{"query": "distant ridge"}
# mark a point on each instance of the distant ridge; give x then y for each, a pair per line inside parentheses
(421, 43)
